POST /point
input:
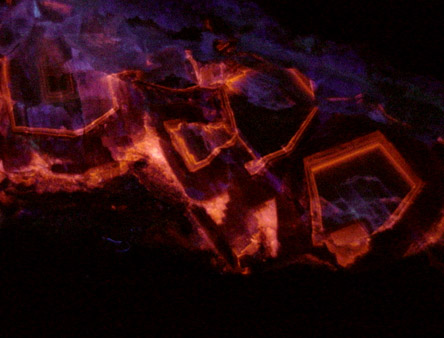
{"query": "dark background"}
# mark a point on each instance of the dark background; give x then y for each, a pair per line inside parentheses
(405, 34)
(73, 286)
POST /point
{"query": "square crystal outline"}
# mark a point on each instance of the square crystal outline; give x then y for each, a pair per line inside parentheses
(227, 122)
(55, 96)
(6, 94)
(349, 152)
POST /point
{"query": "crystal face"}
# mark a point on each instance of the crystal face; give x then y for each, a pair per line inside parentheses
(363, 199)
(52, 89)
(358, 189)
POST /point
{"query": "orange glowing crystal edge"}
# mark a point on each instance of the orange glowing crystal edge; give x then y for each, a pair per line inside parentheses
(353, 239)
(257, 227)
(227, 125)
(347, 243)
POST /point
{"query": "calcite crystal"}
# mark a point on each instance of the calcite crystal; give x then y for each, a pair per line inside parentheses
(358, 189)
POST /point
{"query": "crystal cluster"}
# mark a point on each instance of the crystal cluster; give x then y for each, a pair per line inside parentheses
(274, 155)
